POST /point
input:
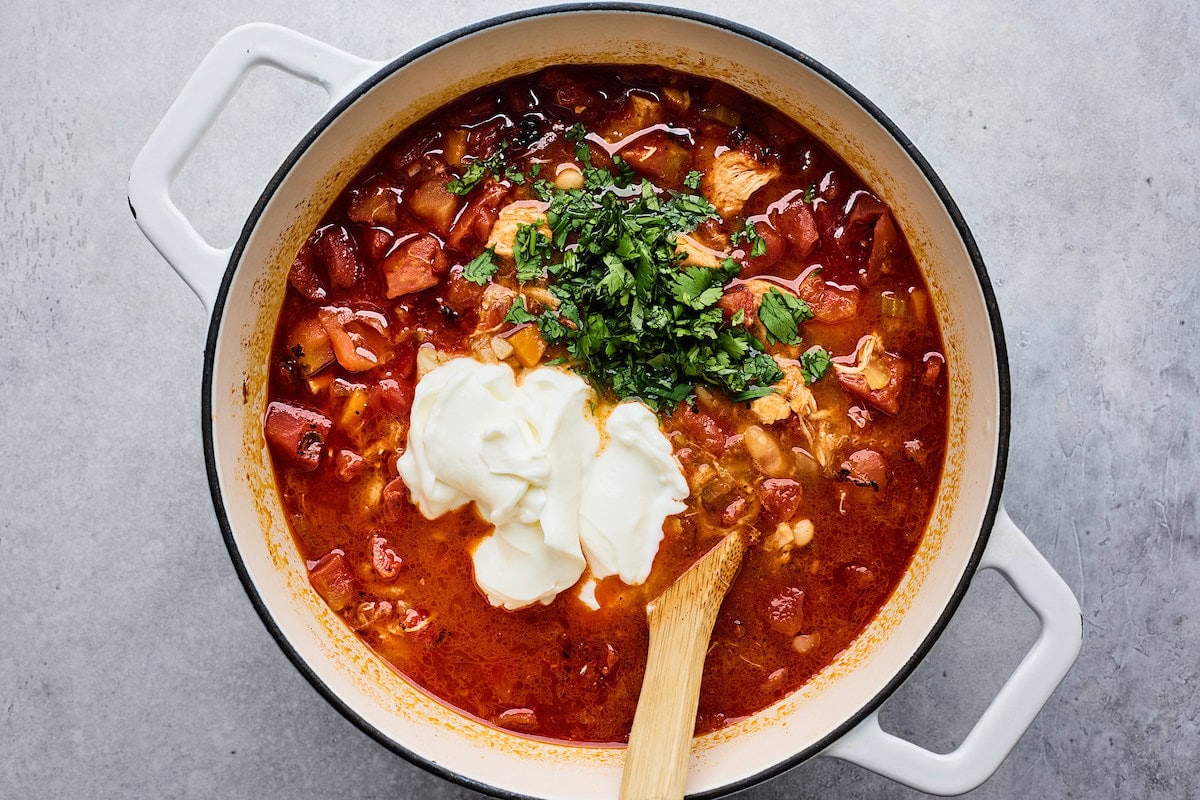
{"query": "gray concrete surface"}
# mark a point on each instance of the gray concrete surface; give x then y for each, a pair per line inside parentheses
(131, 664)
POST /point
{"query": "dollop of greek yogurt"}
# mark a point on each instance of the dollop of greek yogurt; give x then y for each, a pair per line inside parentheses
(561, 496)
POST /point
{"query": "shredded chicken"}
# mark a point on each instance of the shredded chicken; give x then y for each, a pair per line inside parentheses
(876, 375)
(732, 179)
(429, 358)
(792, 396)
(512, 217)
(695, 254)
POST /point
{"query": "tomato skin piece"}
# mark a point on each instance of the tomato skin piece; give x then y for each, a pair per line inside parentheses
(785, 611)
(334, 580)
(296, 434)
(303, 274)
(795, 221)
(337, 250)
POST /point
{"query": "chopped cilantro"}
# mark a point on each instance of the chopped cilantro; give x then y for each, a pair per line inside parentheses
(810, 193)
(749, 234)
(531, 250)
(518, 314)
(630, 319)
(814, 363)
(781, 314)
(477, 170)
(482, 267)
(692, 179)
(535, 170)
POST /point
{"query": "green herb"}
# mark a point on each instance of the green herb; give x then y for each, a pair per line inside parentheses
(692, 179)
(518, 314)
(814, 364)
(781, 314)
(482, 267)
(810, 193)
(535, 170)
(513, 174)
(531, 250)
(632, 321)
(749, 234)
(477, 170)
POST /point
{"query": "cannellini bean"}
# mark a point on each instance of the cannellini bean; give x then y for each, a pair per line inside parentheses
(569, 177)
(765, 451)
(805, 642)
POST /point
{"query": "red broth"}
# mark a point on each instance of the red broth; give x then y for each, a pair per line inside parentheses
(382, 276)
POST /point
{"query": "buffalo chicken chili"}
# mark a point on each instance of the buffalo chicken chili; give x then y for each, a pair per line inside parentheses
(558, 338)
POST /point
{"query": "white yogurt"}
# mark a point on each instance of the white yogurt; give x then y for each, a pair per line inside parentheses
(528, 455)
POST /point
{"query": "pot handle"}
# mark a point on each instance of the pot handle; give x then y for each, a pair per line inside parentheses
(198, 105)
(1029, 687)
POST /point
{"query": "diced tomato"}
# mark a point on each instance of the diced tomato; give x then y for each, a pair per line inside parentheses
(785, 611)
(333, 580)
(309, 344)
(393, 395)
(378, 241)
(701, 428)
(395, 497)
(414, 266)
(775, 246)
(461, 295)
(794, 219)
(303, 275)
(830, 302)
(734, 513)
(384, 560)
(932, 369)
(865, 468)
(739, 298)
(374, 204)
(433, 203)
(518, 719)
(336, 248)
(659, 158)
(885, 248)
(575, 98)
(348, 465)
(781, 498)
(863, 210)
(886, 398)
(855, 576)
(359, 338)
(475, 222)
(483, 140)
(410, 148)
(296, 434)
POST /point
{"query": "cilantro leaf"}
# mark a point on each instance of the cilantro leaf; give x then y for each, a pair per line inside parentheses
(810, 193)
(518, 314)
(694, 287)
(813, 364)
(781, 314)
(692, 179)
(531, 249)
(472, 175)
(482, 267)
(749, 234)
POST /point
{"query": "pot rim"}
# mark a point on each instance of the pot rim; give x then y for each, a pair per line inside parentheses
(1004, 406)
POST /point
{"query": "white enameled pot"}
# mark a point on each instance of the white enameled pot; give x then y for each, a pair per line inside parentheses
(834, 714)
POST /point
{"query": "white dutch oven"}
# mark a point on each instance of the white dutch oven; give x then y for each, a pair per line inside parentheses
(835, 714)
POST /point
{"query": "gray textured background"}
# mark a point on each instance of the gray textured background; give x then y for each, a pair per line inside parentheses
(130, 662)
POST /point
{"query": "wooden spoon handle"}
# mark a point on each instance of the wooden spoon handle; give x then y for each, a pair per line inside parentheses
(681, 622)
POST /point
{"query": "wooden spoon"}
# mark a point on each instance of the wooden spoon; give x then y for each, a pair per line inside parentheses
(681, 622)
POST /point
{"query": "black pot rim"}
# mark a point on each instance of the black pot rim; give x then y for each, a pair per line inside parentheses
(749, 33)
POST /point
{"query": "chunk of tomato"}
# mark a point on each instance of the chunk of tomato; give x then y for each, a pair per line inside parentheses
(296, 434)
(413, 267)
(333, 580)
(830, 302)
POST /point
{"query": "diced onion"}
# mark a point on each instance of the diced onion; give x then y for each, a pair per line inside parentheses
(893, 305)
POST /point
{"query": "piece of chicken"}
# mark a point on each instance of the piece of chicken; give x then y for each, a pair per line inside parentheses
(732, 179)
